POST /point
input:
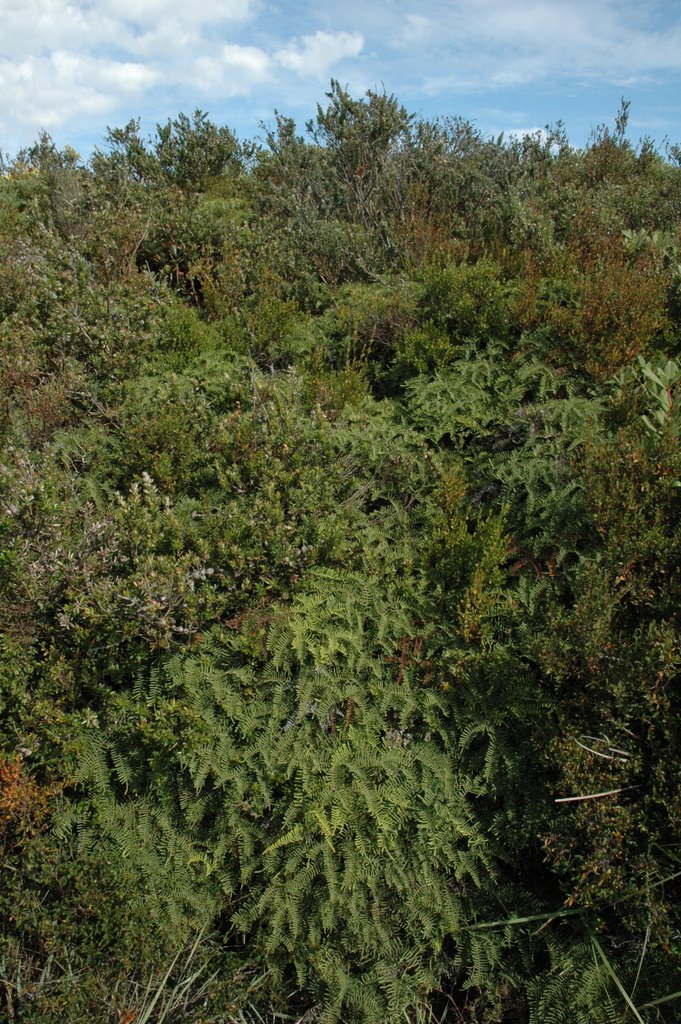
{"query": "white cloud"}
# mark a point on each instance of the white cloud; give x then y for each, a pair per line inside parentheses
(234, 71)
(418, 29)
(32, 27)
(62, 61)
(124, 76)
(499, 43)
(152, 12)
(46, 91)
(315, 55)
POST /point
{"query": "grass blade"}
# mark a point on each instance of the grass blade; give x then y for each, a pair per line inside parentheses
(664, 999)
(562, 912)
(611, 971)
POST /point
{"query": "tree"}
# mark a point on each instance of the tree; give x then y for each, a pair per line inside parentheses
(361, 137)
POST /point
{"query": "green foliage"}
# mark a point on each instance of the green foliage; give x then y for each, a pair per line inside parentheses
(193, 151)
(323, 789)
(339, 580)
(71, 911)
(623, 652)
(655, 384)
(466, 303)
(359, 137)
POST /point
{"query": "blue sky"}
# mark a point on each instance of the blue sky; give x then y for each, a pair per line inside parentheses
(74, 67)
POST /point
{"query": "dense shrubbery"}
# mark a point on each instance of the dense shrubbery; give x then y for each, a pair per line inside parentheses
(340, 575)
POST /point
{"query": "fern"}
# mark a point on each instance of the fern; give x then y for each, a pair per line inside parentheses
(351, 794)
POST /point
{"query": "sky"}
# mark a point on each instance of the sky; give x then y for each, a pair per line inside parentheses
(74, 67)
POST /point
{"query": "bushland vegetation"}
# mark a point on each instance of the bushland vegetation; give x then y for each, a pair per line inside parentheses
(340, 578)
